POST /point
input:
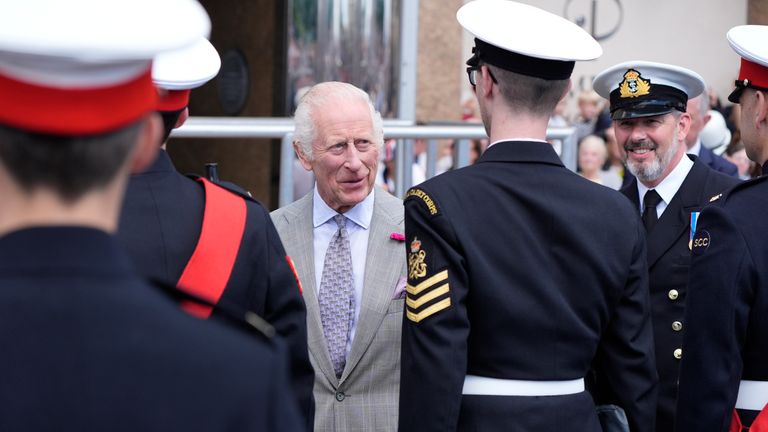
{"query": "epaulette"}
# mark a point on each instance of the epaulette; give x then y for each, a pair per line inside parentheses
(249, 322)
(231, 187)
(723, 197)
(419, 194)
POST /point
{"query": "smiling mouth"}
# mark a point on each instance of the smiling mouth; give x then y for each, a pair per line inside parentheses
(640, 151)
(640, 148)
(353, 182)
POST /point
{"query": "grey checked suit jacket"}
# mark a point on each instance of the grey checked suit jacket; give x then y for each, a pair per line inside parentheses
(366, 396)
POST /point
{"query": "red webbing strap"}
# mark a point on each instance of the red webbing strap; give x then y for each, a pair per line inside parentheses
(735, 423)
(759, 425)
(208, 270)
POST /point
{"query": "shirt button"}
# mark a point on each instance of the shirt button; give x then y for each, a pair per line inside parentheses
(340, 396)
(678, 353)
(677, 326)
(673, 294)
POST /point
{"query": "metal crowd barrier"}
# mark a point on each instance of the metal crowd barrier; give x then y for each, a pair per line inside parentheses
(403, 131)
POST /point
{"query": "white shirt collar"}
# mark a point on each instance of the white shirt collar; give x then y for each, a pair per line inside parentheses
(696, 149)
(669, 186)
(361, 214)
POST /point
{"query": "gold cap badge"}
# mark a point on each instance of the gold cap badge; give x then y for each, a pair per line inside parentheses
(634, 85)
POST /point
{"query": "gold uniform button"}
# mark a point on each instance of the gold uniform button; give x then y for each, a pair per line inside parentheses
(678, 353)
(677, 326)
(673, 294)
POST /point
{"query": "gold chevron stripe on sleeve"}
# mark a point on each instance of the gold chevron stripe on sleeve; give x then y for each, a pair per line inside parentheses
(435, 293)
(437, 307)
(415, 290)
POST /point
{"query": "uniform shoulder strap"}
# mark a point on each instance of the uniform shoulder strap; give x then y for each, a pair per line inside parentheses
(208, 270)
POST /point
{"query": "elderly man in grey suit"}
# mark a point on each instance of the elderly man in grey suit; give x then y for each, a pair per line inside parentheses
(346, 240)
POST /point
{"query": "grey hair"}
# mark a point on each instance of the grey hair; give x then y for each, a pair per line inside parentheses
(704, 102)
(323, 96)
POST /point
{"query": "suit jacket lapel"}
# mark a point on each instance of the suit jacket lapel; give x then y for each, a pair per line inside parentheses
(380, 280)
(669, 228)
(300, 236)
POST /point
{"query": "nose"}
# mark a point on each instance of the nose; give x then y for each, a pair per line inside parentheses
(638, 133)
(353, 161)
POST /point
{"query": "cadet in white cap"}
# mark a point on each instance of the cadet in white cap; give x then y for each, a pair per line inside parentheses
(724, 375)
(648, 103)
(167, 221)
(514, 290)
(90, 345)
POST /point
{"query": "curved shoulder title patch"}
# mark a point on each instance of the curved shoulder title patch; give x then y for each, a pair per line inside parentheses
(423, 196)
(700, 242)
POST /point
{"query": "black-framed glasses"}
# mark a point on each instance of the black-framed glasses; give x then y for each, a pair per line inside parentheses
(472, 74)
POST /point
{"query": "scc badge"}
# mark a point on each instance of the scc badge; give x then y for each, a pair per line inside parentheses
(700, 242)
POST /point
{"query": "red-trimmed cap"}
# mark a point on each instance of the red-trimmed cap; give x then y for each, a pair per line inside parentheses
(75, 111)
(186, 68)
(181, 70)
(84, 66)
(749, 41)
(173, 100)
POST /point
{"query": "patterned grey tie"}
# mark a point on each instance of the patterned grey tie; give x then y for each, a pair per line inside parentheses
(337, 301)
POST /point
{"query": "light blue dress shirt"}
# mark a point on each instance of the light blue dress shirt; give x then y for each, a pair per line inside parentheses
(358, 224)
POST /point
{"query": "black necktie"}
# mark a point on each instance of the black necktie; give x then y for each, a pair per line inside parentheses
(650, 201)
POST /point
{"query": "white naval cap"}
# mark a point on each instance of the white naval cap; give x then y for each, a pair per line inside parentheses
(643, 88)
(751, 43)
(182, 70)
(81, 67)
(525, 39)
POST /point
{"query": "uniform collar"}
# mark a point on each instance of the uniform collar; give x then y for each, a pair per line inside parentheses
(63, 249)
(514, 150)
(515, 140)
(162, 163)
(361, 214)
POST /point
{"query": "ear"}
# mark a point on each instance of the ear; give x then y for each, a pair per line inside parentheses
(182, 118)
(683, 126)
(567, 90)
(305, 162)
(487, 80)
(761, 110)
(705, 119)
(147, 146)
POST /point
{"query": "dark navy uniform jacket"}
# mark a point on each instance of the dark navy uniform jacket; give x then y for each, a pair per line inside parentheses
(668, 262)
(89, 346)
(160, 226)
(727, 311)
(718, 163)
(521, 269)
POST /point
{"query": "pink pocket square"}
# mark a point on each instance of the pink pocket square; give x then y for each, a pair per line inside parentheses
(399, 289)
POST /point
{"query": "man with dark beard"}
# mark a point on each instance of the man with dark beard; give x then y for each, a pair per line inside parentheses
(648, 108)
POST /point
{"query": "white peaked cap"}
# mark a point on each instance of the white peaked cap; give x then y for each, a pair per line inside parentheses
(187, 68)
(87, 61)
(528, 30)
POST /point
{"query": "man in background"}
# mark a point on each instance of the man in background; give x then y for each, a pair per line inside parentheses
(698, 109)
(346, 238)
